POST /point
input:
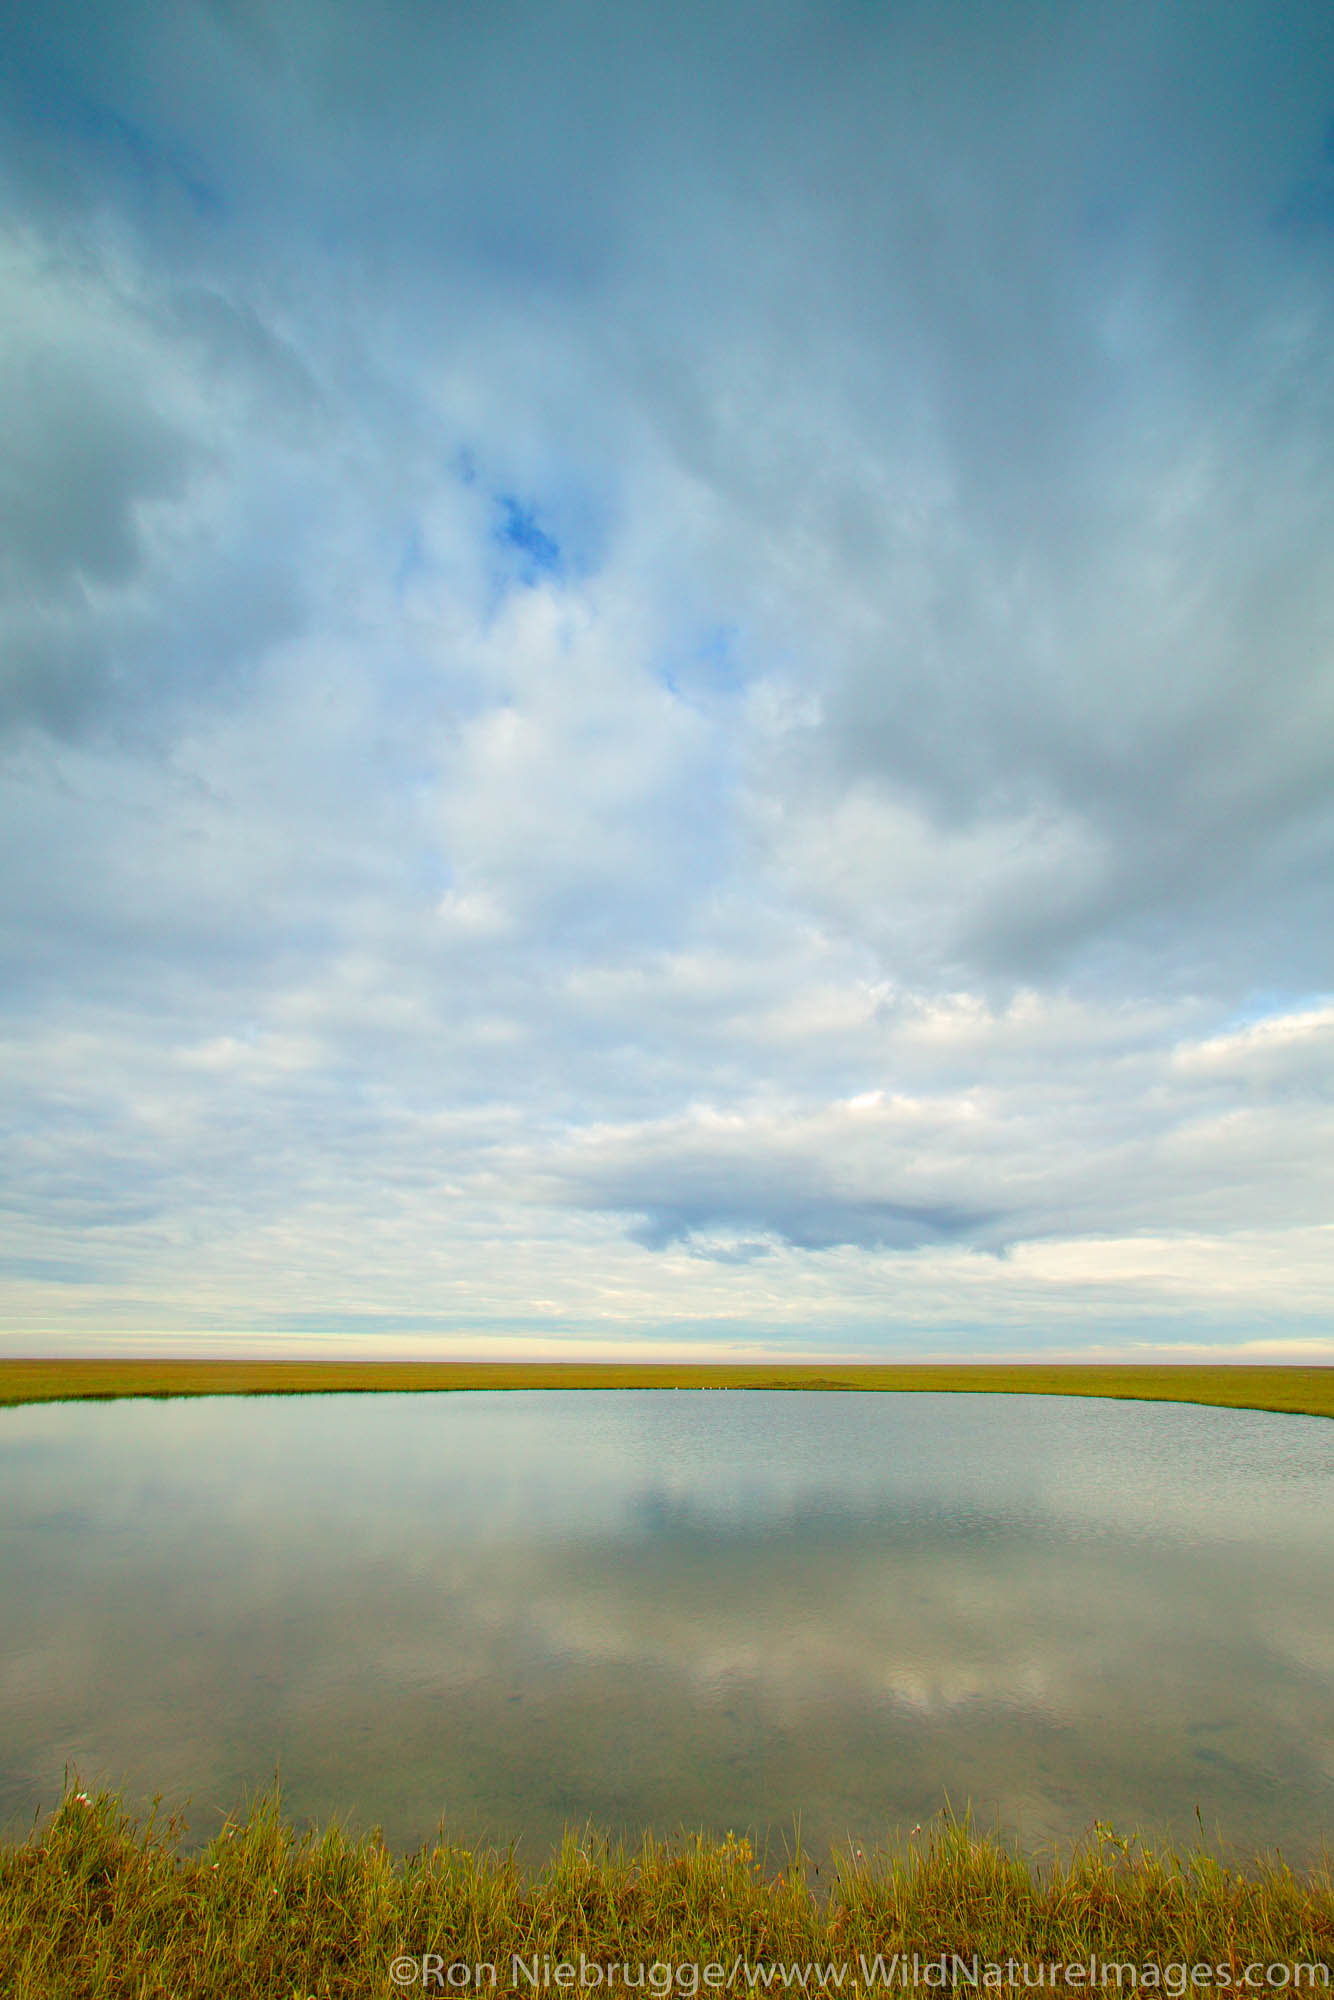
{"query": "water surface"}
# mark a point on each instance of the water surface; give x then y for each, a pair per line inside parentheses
(518, 1610)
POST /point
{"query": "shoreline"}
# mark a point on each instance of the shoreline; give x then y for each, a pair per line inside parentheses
(1297, 1390)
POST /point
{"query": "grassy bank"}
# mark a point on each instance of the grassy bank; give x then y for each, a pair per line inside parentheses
(94, 1904)
(1307, 1391)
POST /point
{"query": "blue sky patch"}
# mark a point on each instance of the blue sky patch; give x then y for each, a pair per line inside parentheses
(538, 553)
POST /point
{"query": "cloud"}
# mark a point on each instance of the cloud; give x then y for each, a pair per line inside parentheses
(662, 673)
(854, 1174)
(1035, 1152)
(136, 568)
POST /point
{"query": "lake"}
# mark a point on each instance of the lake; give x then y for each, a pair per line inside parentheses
(666, 1609)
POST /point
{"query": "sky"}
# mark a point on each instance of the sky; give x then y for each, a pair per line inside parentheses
(667, 678)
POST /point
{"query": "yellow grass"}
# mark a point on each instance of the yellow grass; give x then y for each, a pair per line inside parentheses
(1306, 1391)
(97, 1905)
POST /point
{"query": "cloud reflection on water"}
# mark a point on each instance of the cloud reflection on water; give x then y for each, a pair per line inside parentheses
(726, 1609)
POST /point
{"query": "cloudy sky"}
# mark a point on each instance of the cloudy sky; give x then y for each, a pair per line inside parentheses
(667, 677)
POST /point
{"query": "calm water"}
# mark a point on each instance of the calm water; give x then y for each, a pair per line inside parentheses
(720, 1610)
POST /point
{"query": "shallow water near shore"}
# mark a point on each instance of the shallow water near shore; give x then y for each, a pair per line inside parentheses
(655, 1609)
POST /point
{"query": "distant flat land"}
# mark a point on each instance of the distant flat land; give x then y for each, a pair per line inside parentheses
(1304, 1391)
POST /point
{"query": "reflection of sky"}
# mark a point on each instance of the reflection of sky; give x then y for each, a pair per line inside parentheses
(659, 1606)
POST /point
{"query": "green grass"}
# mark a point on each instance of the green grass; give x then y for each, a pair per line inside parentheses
(96, 1904)
(1306, 1391)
